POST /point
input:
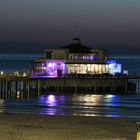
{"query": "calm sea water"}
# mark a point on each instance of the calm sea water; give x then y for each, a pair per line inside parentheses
(17, 62)
(130, 63)
(81, 105)
(108, 105)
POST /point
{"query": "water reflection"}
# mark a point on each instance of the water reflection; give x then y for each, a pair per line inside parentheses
(75, 104)
(85, 105)
(96, 105)
(51, 104)
(112, 100)
(2, 110)
(48, 100)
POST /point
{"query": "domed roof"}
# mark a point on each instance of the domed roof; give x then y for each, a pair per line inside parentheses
(76, 41)
(77, 47)
(76, 38)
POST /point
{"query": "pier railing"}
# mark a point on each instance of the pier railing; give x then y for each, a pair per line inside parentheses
(27, 74)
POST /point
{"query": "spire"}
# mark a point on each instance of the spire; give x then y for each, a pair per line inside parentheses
(76, 40)
(76, 31)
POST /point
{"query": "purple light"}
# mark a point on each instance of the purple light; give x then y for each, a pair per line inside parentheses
(91, 57)
(50, 65)
(51, 104)
(43, 64)
(51, 68)
(62, 98)
(94, 57)
(51, 100)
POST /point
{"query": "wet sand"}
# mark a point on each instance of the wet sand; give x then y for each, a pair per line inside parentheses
(41, 127)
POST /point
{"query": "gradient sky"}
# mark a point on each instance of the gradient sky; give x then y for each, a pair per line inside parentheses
(33, 25)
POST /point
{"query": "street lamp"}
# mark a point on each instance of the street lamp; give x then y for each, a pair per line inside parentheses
(138, 130)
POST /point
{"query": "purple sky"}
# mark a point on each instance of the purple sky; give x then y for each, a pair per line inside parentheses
(33, 25)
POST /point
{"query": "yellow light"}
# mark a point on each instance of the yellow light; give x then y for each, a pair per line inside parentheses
(16, 73)
(18, 94)
(1, 72)
(24, 74)
(138, 135)
(138, 130)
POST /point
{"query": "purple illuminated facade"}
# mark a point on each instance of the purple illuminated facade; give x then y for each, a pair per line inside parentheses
(50, 68)
(74, 59)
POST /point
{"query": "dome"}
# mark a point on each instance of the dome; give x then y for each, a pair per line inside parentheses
(76, 41)
(77, 47)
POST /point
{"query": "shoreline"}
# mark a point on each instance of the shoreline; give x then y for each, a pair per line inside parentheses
(42, 127)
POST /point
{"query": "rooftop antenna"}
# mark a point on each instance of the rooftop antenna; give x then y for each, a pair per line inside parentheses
(76, 40)
(76, 31)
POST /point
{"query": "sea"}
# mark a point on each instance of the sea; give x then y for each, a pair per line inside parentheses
(108, 105)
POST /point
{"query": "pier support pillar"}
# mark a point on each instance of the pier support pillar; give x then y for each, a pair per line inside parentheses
(76, 85)
(28, 88)
(126, 86)
(38, 87)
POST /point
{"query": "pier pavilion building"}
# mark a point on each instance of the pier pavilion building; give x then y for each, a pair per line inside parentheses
(74, 58)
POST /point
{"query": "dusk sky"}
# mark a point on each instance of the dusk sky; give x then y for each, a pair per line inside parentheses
(32, 25)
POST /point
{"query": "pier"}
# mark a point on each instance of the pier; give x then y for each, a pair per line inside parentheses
(11, 86)
(72, 68)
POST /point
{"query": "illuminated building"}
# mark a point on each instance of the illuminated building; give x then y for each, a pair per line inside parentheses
(74, 59)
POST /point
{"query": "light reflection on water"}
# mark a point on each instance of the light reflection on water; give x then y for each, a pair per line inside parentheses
(51, 104)
(1, 106)
(81, 105)
(48, 100)
(98, 105)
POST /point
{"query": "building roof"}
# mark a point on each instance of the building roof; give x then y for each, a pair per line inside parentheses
(77, 47)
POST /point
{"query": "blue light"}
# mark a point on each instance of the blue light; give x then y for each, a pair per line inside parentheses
(114, 68)
(110, 61)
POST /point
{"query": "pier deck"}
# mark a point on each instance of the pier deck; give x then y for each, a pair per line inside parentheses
(11, 85)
